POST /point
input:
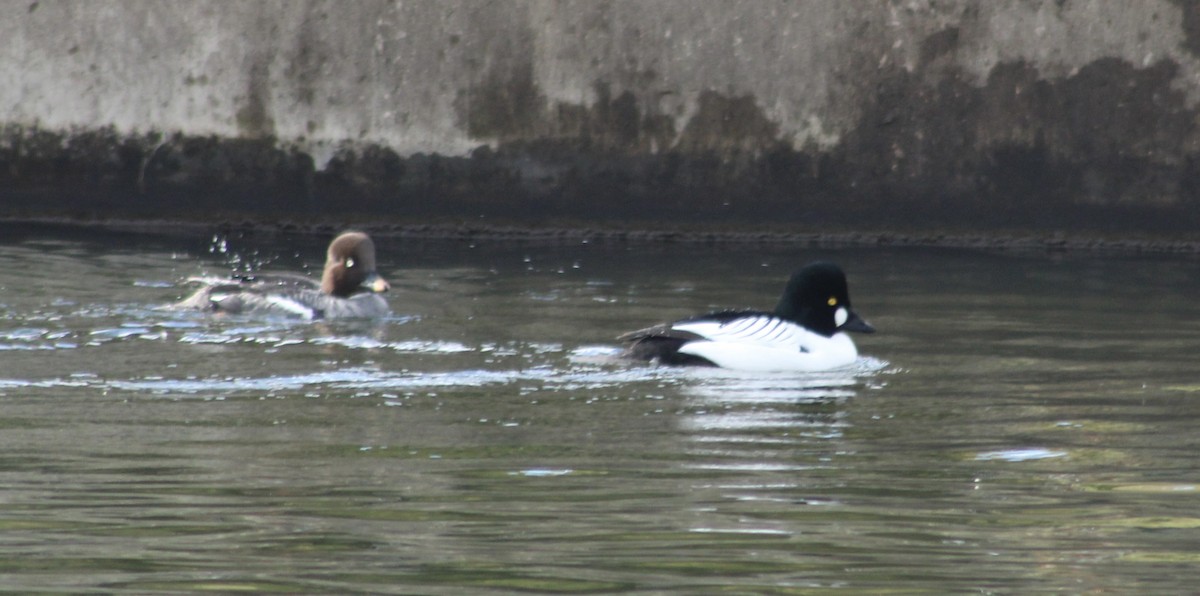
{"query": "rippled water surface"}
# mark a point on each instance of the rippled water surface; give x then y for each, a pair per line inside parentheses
(1020, 423)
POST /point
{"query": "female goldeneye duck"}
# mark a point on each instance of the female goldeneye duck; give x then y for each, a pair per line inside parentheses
(349, 288)
(804, 333)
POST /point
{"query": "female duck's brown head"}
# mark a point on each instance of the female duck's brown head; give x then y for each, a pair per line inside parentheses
(350, 267)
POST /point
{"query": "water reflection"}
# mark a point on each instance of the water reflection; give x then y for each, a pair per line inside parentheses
(1019, 455)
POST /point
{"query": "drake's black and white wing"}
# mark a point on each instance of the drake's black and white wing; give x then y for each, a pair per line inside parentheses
(748, 327)
(665, 342)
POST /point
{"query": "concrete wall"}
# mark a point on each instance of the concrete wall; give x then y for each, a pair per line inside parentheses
(745, 114)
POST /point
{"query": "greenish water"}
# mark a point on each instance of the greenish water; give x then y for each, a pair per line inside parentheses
(1020, 423)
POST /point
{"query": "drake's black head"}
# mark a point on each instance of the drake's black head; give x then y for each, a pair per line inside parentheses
(817, 297)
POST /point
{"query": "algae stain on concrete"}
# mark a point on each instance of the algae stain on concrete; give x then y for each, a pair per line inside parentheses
(503, 108)
(1080, 150)
(728, 125)
(502, 102)
(614, 124)
(254, 119)
(309, 55)
(1190, 10)
(514, 111)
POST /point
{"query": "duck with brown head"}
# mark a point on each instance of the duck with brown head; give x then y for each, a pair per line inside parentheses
(350, 287)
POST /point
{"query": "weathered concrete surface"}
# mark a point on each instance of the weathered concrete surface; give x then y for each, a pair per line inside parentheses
(1071, 115)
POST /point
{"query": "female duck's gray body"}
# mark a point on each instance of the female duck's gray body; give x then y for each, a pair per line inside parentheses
(349, 288)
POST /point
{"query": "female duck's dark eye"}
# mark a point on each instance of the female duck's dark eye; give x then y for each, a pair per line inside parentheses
(349, 263)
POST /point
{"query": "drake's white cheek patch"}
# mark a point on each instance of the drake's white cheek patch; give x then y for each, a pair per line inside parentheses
(840, 316)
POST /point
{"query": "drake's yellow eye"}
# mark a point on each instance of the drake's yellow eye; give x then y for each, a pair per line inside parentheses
(833, 301)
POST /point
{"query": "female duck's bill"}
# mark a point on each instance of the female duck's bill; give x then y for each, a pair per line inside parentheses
(350, 287)
(805, 332)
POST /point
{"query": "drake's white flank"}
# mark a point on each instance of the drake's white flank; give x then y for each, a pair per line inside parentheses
(763, 343)
(835, 352)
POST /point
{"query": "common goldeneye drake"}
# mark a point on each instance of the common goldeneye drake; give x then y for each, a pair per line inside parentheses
(349, 288)
(805, 333)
